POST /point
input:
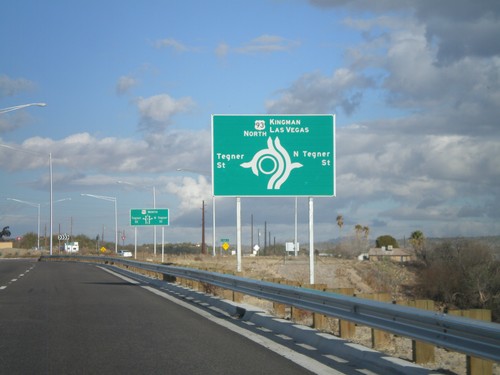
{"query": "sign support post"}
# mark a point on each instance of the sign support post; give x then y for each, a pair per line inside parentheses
(162, 244)
(135, 243)
(311, 240)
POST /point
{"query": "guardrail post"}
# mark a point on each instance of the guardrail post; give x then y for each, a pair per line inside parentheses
(347, 329)
(231, 294)
(279, 308)
(168, 278)
(237, 297)
(380, 338)
(319, 320)
(295, 313)
(476, 366)
(422, 352)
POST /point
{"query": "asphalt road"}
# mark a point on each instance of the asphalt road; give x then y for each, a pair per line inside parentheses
(72, 318)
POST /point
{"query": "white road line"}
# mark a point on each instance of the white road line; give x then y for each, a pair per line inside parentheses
(284, 337)
(306, 346)
(336, 359)
(300, 359)
(3, 287)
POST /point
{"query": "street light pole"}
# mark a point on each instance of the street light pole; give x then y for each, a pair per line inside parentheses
(51, 184)
(51, 203)
(15, 108)
(37, 205)
(154, 227)
(110, 199)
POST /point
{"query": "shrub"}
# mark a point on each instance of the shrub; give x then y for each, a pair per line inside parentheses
(462, 274)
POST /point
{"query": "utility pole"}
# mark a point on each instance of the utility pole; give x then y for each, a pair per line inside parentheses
(265, 237)
(203, 250)
(251, 233)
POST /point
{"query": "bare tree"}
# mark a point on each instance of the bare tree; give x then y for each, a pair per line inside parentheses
(462, 273)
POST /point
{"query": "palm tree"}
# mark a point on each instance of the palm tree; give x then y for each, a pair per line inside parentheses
(417, 240)
(358, 228)
(366, 232)
(340, 224)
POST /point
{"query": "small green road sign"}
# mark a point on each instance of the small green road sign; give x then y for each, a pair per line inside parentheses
(273, 155)
(149, 216)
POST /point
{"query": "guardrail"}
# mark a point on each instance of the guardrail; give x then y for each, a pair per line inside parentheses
(468, 336)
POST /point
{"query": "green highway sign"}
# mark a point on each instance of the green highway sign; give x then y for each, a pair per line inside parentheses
(149, 216)
(273, 155)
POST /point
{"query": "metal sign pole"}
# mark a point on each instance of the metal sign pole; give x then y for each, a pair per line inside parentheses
(213, 225)
(135, 242)
(311, 240)
(162, 244)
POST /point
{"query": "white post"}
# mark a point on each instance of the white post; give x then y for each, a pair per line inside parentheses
(213, 225)
(295, 243)
(116, 227)
(311, 240)
(38, 236)
(162, 244)
(238, 232)
(135, 242)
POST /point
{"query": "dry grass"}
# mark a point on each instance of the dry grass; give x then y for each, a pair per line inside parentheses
(18, 253)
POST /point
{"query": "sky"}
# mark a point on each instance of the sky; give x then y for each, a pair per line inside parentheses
(131, 86)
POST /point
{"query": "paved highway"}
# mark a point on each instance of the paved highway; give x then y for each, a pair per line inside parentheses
(72, 318)
(77, 318)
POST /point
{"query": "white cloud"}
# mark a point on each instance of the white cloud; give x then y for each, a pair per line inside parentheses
(175, 45)
(13, 86)
(157, 111)
(267, 44)
(191, 192)
(222, 50)
(459, 28)
(316, 93)
(262, 44)
(125, 84)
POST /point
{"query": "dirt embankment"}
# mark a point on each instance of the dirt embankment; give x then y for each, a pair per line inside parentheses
(363, 277)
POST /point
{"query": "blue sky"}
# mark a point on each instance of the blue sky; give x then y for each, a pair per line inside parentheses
(130, 88)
